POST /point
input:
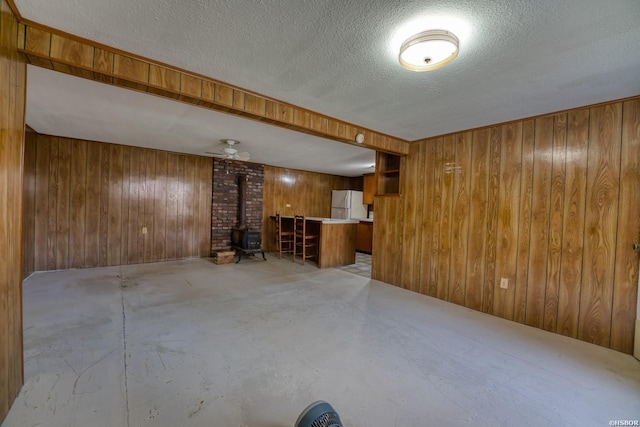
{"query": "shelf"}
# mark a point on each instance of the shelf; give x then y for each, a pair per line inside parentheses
(387, 174)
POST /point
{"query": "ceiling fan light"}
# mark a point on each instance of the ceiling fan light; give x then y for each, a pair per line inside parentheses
(428, 50)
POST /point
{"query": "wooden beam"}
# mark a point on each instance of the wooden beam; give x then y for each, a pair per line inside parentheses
(50, 48)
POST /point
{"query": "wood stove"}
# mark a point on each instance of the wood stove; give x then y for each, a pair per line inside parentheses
(244, 240)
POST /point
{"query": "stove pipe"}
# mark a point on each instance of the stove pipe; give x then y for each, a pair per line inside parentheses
(242, 202)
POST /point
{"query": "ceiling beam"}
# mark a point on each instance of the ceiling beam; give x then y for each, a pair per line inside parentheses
(53, 49)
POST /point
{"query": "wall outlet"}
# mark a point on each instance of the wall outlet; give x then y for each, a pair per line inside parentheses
(144, 230)
(504, 283)
(288, 205)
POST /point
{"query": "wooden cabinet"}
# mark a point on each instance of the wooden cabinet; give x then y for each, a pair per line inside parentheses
(369, 188)
(364, 237)
(387, 174)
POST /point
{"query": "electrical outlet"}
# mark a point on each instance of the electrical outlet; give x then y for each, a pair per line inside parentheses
(504, 283)
(144, 230)
(288, 205)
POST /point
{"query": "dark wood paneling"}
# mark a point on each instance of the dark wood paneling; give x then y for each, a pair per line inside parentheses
(135, 208)
(78, 214)
(92, 209)
(93, 199)
(306, 193)
(160, 208)
(12, 136)
(52, 211)
(114, 215)
(552, 206)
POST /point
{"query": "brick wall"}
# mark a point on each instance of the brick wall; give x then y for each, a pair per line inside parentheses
(224, 212)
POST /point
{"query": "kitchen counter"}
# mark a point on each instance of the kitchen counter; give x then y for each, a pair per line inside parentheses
(328, 220)
(336, 239)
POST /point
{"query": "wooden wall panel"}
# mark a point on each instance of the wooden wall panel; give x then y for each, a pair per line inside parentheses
(29, 205)
(92, 209)
(12, 137)
(625, 289)
(409, 280)
(78, 192)
(573, 227)
(307, 193)
(446, 205)
(541, 199)
(508, 219)
(386, 264)
(134, 210)
(93, 199)
(202, 240)
(114, 216)
(436, 216)
(492, 219)
(460, 221)
(427, 153)
(478, 219)
(524, 224)
(62, 203)
(552, 206)
(556, 223)
(601, 216)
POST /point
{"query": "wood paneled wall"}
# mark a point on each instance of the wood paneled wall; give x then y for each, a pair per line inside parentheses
(93, 200)
(12, 105)
(552, 204)
(29, 204)
(307, 193)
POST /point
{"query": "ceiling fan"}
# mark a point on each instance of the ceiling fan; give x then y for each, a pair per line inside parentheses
(228, 151)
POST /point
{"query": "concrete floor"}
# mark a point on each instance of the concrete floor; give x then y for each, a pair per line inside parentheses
(191, 343)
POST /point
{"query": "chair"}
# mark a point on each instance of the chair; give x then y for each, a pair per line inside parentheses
(305, 243)
(284, 238)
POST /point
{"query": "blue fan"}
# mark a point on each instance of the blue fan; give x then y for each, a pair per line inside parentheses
(319, 414)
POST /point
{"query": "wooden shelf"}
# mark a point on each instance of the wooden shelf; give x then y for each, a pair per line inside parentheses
(387, 174)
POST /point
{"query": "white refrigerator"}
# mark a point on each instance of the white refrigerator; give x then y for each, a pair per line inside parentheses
(347, 204)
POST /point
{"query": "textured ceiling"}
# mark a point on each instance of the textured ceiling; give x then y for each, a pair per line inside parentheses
(518, 58)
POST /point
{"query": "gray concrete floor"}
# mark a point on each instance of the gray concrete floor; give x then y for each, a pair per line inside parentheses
(191, 343)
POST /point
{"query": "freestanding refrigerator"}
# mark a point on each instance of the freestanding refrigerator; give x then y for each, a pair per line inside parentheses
(347, 204)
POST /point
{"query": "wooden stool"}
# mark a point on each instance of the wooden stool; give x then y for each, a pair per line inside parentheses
(305, 245)
(284, 238)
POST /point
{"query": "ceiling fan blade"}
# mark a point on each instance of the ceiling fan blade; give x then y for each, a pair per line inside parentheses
(243, 156)
(216, 154)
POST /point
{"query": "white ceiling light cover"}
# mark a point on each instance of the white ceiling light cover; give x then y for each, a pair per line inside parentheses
(429, 50)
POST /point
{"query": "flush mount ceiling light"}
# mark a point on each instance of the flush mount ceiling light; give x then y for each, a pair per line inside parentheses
(428, 50)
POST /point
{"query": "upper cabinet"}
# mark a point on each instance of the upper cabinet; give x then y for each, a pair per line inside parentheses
(387, 174)
(369, 188)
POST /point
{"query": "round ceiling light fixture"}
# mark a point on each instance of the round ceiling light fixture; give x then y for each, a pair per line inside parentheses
(428, 50)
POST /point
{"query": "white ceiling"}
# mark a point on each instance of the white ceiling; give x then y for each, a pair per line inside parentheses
(63, 105)
(518, 58)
